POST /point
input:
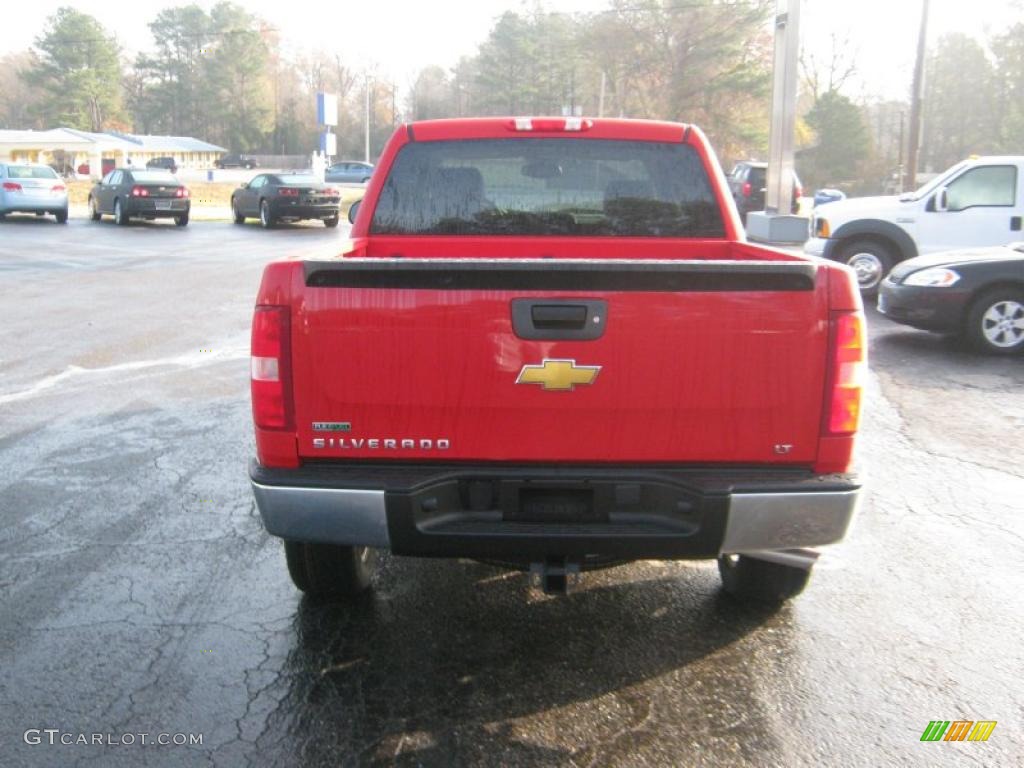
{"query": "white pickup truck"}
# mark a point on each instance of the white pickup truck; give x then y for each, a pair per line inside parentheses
(978, 202)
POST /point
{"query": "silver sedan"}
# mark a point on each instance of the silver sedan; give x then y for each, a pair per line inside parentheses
(349, 171)
(32, 188)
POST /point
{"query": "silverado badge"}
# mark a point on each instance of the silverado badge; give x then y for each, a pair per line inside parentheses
(558, 375)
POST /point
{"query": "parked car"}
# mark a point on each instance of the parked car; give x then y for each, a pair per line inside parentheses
(237, 161)
(148, 194)
(32, 188)
(274, 197)
(978, 202)
(349, 171)
(978, 294)
(747, 183)
(167, 163)
(680, 393)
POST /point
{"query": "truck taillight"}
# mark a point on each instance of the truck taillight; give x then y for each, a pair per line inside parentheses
(550, 124)
(269, 368)
(747, 189)
(140, 192)
(849, 361)
(181, 192)
(288, 192)
(12, 186)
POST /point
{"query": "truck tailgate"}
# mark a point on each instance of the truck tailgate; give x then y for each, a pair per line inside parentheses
(710, 362)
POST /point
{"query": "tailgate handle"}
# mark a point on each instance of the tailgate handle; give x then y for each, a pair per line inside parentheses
(558, 316)
(554, 319)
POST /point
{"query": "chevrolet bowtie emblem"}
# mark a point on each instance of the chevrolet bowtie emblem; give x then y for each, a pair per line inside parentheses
(558, 375)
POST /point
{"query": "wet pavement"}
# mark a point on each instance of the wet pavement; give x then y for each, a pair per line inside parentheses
(139, 593)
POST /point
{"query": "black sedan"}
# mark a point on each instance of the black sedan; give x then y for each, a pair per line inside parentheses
(149, 194)
(975, 293)
(274, 197)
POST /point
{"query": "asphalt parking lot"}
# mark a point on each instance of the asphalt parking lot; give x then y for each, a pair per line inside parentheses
(139, 593)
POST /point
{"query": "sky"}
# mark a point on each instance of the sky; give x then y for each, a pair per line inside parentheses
(397, 38)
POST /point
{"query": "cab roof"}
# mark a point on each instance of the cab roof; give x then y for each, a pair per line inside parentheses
(548, 127)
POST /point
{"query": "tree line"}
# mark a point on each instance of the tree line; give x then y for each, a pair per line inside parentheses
(222, 75)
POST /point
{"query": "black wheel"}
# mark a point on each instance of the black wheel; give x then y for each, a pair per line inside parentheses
(120, 217)
(239, 218)
(248, 166)
(267, 221)
(332, 222)
(62, 216)
(871, 261)
(330, 570)
(995, 322)
(94, 210)
(758, 581)
(181, 221)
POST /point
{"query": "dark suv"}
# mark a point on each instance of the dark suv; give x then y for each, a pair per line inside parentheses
(748, 181)
(237, 161)
(166, 163)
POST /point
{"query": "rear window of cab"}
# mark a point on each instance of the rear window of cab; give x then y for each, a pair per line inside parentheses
(548, 187)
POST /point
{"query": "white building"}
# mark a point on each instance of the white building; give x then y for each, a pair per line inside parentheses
(102, 151)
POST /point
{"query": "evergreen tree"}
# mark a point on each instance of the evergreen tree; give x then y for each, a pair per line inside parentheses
(78, 70)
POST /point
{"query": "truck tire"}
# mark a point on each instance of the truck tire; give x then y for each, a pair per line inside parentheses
(330, 570)
(759, 581)
(332, 222)
(995, 322)
(871, 260)
(62, 216)
(94, 209)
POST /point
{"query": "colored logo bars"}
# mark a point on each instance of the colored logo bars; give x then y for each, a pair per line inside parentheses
(958, 730)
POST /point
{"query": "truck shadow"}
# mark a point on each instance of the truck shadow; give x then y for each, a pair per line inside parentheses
(437, 665)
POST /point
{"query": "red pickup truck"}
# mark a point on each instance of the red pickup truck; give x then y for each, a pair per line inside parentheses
(549, 346)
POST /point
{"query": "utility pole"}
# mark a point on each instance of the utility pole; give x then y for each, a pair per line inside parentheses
(367, 116)
(917, 90)
(600, 101)
(900, 167)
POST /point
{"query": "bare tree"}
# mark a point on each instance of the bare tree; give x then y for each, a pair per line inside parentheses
(829, 73)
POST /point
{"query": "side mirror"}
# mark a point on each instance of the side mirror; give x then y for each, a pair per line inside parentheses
(352, 211)
(942, 199)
